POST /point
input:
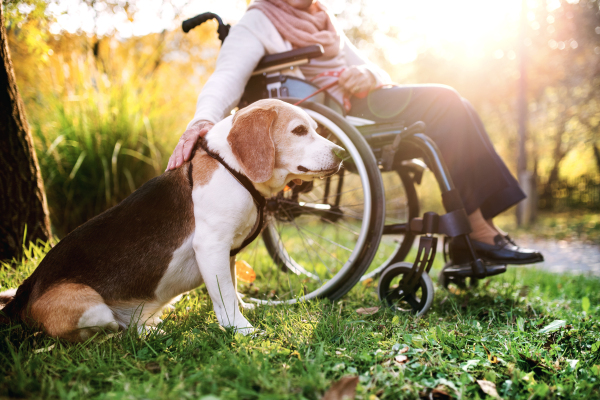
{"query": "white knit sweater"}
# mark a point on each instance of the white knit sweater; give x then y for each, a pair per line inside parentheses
(253, 37)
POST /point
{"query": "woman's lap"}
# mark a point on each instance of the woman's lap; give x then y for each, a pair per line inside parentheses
(479, 174)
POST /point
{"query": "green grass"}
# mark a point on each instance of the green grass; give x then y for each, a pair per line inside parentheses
(307, 346)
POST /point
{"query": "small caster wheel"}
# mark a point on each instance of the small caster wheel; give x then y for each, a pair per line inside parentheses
(390, 292)
(461, 283)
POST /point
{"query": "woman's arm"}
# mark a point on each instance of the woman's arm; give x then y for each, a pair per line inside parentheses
(238, 57)
(355, 58)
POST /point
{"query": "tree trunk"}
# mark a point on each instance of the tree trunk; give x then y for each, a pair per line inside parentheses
(23, 204)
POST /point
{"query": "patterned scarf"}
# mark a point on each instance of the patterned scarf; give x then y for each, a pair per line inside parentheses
(302, 28)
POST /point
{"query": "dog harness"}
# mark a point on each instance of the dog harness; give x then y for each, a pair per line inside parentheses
(258, 198)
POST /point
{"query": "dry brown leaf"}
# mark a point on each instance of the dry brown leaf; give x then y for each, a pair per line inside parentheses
(488, 388)
(368, 282)
(367, 311)
(440, 394)
(404, 350)
(401, 359)
(344, 389)
(153, 367)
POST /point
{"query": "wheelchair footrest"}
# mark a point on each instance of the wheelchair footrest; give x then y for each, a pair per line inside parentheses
(466, 271)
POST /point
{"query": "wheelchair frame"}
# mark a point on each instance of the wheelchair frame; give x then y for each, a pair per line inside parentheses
(376, 145)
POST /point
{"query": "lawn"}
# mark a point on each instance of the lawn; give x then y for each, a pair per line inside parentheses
(505, 332)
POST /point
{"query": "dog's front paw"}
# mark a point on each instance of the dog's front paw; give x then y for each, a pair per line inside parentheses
(247, 306)
(241, 325)
(246, 330)
(149, 330)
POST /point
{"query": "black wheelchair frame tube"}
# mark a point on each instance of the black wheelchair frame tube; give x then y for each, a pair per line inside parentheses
(451, 199)
(434, 161)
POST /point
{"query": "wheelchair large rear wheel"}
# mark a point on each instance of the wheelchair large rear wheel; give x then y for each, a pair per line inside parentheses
(321, 236)
(401, 205)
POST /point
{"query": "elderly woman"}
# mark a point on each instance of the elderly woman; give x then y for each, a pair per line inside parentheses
(272, 26)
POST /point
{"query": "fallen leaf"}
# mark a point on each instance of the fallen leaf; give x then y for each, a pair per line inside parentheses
(367, 311)
(440, 394)
(488, 388)
(492, 359)
(153, 367)
(401, 359)
(404, 350)
(435, 394)
(344, 389)
(367, 282)
(244, 271)
(553, 326)
(44, 350)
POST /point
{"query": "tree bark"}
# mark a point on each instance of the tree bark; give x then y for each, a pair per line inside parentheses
(23, 206)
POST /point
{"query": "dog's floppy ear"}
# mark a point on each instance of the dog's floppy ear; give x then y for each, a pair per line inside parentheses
(252, 144)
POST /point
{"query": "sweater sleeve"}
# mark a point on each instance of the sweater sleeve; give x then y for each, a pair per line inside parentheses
(238, 57)
(355, 57)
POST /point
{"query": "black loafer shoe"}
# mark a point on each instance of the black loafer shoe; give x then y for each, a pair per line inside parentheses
(503, 251)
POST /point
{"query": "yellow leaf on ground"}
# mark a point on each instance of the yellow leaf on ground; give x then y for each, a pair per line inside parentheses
(367, 311)
(344, 389)
(244, 271)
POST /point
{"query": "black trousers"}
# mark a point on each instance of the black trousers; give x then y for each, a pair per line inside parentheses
(479, 174)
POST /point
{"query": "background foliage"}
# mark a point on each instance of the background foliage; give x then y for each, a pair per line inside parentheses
(107, 110)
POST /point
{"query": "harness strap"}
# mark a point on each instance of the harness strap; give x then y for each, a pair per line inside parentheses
(258, 198)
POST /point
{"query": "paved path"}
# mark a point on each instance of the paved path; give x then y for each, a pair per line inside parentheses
(565, 256)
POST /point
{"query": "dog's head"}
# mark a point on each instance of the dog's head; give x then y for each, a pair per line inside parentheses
(274, 140)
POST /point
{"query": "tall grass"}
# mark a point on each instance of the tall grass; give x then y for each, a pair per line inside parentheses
(98, 149)
(106, 113)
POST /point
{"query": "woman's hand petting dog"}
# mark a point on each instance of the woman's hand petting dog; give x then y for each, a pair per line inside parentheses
(357, 79)
(186, 143)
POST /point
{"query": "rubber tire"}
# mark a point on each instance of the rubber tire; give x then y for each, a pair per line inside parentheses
(363, 260)
(403, 268)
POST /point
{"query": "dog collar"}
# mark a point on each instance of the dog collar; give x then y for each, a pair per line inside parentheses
(258, 198)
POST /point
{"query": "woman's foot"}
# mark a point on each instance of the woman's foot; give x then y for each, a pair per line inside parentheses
(491, 245)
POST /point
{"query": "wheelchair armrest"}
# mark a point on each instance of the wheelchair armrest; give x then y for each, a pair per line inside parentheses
(274, 62)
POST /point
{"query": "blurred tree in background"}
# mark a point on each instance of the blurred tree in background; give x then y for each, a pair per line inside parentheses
(563, 68)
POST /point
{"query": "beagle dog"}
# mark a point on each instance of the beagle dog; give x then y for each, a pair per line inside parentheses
(175, 232)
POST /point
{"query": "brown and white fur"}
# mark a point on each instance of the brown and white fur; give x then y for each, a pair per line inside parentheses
(173, 233)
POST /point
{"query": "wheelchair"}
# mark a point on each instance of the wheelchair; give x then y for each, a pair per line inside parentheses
(325, 236)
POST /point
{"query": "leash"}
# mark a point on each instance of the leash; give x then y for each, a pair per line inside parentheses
(243, 180)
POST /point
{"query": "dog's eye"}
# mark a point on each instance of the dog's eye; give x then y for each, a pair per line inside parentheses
(300, 130)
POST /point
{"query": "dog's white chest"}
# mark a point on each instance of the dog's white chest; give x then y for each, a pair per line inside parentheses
(182, 274)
